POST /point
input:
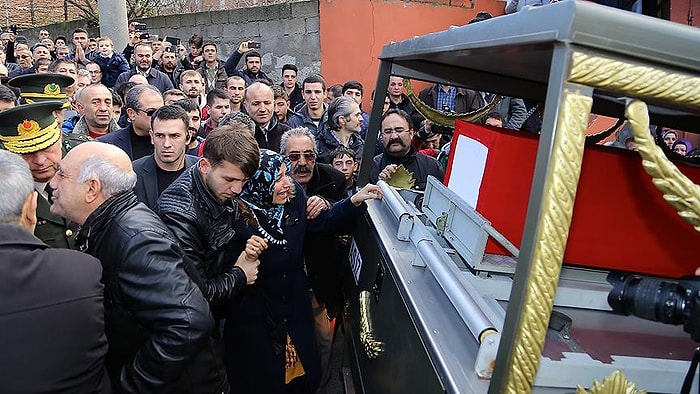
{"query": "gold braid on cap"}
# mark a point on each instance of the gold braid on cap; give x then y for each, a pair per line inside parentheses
(31, 138)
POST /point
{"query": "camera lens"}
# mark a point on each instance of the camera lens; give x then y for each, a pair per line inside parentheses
(648, 298)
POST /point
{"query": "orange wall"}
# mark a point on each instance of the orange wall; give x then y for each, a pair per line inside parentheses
(353, 32)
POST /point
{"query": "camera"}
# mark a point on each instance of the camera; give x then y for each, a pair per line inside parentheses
(145, 36)
(658, 300)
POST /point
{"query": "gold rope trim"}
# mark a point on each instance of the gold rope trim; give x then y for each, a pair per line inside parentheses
(621, 77)
(616, 383)
(44, 95)
(552, 233)
(678, 190)
(445, 119)
(40, 140)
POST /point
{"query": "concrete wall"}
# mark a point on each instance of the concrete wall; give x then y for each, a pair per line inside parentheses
(289, 33)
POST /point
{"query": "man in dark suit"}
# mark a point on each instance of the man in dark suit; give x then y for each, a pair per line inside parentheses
(324, 185)
(31, 131)
(141, 102)
(157, 171)
(45, 291)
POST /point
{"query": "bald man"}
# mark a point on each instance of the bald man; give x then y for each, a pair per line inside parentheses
(259, 102)
(158, 322)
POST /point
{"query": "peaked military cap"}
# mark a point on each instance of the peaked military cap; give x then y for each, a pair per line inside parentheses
(35, 88)
(30, 128)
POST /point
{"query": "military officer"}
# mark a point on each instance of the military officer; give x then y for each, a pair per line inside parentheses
(31, 130)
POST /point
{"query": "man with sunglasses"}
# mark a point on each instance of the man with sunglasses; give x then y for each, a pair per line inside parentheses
(396, 133)
(141, 102)
(324, 185)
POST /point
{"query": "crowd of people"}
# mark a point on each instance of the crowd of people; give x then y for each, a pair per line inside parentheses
(190, 217)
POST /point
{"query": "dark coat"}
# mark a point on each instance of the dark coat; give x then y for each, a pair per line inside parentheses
(271, 138)
(466, 100)
(54, 230)
(277, 305)
(203, 227)
(111, 67)
(295, 98)
(52, 318)
(326, 143)
(120, 138)
(248, 77)
(418, 164)
(157, 321)
(221, 76)
(154, 77)
(321, 252)
(146, 188)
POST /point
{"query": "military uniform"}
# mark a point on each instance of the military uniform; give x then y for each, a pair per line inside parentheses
(30, 128)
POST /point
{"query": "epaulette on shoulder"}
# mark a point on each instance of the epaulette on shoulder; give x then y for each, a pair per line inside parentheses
(71, 140)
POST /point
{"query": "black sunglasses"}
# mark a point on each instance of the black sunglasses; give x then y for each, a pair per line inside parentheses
(309, 156)
(148, 112)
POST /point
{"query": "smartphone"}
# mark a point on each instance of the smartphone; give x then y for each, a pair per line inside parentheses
(173, 40)
(140, 26)
(254, 45)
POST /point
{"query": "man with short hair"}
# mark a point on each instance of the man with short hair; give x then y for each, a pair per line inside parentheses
(44, 34)
(159, 325)
(291, 86)
(143, 58)
(396, 135)
(192, 83)
(95, 72)
(94, 104)
(259, 102)
(282, 109)
(235, 86)
(81, 42)
(211, 69)
(311, 113)
(40, 51)
(253, 64)
(45, 291)
(25, 62)
(8, 99)
(218, 105)
(193, 140)
(62, 52)
(173, 95)
(141, 102)
(201, 206)
(157, 171)
(170, 66)
(399, 100)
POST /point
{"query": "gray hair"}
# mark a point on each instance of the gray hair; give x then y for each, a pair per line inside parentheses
(296, 132)
(17, 181)
(113, 179)
(132, 97)
(340, 106)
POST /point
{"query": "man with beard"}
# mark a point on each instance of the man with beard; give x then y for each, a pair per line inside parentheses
(192, 83)
(193, 140)
(259, 102)
(253, 63)
(143, 57)
(235, 86)
(324, 185)
(94, 105)
(141, 102)
(156, 172)
(169, 65)
(341, 130)
(396, 134)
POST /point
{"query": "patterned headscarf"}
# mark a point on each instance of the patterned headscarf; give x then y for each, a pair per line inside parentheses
(258, 192)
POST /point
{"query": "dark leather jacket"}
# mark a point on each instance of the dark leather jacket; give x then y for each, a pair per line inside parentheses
(203, 227)
(158, 323)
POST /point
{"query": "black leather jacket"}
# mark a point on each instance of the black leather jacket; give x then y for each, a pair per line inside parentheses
(203, 227)
(158, 323)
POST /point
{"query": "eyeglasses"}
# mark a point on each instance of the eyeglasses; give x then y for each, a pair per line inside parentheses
(148, 112)
(397, 130)
(308, 156)
(24, 56)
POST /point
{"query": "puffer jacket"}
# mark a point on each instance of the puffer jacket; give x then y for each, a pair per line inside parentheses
(158, 323)
(203, 227)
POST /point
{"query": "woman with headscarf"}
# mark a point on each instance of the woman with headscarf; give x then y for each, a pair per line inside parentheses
(269, 333)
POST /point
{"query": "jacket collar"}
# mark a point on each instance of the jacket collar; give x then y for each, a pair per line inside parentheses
(101, 217)
(211, 203)
(11, 234)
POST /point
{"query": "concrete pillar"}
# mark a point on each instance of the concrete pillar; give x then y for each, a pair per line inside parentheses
(113, 22)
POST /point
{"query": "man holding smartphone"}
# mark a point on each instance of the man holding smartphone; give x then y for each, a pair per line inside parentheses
(253, 63)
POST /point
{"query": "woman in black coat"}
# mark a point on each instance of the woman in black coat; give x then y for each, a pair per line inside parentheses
(270, 325)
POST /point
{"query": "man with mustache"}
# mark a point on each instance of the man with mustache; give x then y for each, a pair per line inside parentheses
(324, 185)
(396, 133)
